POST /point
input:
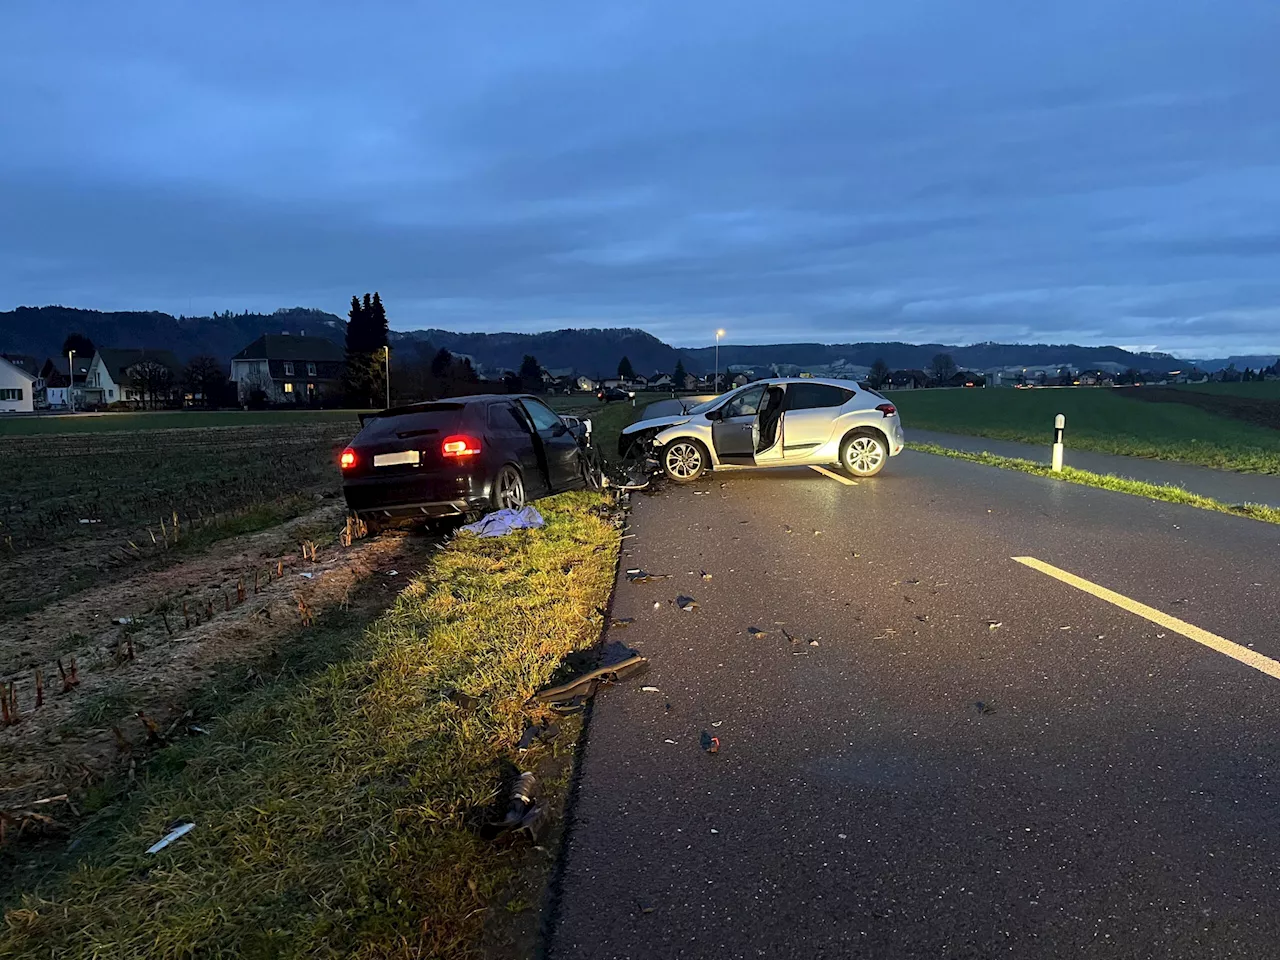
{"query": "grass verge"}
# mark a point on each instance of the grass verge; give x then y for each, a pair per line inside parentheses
(336, 815)
(1100, 419)
(1138, 488)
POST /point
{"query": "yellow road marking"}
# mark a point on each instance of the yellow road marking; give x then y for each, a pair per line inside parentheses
(1244, 655)
(833, 475)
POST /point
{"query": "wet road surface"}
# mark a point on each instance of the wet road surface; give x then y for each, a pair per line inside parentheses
(948, 753)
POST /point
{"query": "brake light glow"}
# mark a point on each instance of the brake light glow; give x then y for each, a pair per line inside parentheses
(888, 409)
(348, 459)
(460, 445)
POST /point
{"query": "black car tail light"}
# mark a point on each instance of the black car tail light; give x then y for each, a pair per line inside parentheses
(460, 445)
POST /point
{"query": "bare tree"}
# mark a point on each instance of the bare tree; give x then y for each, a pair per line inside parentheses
(204, 378)
(879, 374)
(152, 380)
(943, 367)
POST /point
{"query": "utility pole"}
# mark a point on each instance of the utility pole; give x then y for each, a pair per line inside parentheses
(387, 354)
(71, 381)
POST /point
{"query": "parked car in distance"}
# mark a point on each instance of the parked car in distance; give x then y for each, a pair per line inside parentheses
(615, 393)
(773, 423)
(460, 457)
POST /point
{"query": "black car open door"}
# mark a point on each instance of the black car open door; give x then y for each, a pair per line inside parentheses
(559, 444)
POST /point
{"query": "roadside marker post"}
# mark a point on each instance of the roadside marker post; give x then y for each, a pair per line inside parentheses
(1059, 424)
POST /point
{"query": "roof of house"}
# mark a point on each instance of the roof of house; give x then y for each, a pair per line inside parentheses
(282, 346)
(118, 362)
(25, 373)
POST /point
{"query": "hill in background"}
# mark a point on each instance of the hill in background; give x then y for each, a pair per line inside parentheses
(40, 331)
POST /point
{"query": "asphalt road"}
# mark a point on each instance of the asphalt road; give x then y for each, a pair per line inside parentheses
(1118, 794)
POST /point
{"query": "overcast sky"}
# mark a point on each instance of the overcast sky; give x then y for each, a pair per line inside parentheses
(1100, 171)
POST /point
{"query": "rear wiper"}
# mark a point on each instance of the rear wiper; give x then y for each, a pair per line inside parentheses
(407, 434)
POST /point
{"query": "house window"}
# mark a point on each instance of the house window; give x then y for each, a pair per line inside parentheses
(311, 388)
(288, 387)
(111, 394)
(311, 369)
(288, 372)
(10, 393)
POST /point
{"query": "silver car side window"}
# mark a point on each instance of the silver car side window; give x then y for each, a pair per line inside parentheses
(747, 403)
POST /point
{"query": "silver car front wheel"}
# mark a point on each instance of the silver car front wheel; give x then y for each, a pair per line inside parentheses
(864, 455)
(684, 460)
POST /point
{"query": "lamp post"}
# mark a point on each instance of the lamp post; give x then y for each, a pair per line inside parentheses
(719, 334)
(386, 352)
(71, 380)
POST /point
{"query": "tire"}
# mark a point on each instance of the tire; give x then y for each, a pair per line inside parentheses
(508, 489)
(685, 460)
(864, 453)
(589, 472)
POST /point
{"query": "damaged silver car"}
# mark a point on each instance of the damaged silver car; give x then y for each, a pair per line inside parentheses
(772, 423)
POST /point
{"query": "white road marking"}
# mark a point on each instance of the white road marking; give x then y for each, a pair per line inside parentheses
(833, 475)
(1235, 651)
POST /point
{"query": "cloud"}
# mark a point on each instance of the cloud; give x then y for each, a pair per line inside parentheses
(1107, 171)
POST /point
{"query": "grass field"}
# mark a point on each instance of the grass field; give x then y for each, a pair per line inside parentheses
(168, 420)
(1106, 420)
(338, 804)
(1262, 389)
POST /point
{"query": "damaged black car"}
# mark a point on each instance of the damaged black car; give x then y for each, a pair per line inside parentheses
(462, 457)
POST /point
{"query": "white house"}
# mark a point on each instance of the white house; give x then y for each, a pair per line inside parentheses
(132, 376)
(585, 383)
(289, 369)
(17, 388)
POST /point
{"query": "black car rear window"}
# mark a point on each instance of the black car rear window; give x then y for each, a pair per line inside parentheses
(420, 421)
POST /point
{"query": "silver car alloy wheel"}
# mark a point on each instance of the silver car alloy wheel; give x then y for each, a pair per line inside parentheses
(683, 460)
(863, 455)
(510, 489)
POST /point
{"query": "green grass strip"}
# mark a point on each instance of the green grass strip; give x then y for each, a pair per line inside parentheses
(336, 815)
(1152, 491)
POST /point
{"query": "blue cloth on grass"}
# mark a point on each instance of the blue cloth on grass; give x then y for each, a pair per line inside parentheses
(501, 522)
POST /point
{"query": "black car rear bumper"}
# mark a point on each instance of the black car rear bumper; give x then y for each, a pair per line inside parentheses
(407, 498)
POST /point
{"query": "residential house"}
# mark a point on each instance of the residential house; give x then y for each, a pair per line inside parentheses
(907, 380)
(741, 380)
(586, 384)
(662, 381)
(289, 369)
(138, 377)
(964, 378)
(17, 388)
(59, 385)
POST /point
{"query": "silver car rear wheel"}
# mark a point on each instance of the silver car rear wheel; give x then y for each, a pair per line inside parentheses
(684, 460)
(864, 455)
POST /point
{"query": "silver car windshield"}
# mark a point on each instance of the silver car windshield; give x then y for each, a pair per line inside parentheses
(714, 402)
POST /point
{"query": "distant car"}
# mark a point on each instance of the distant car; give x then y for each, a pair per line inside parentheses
(615, 393)
(461, 457)
(772, 423)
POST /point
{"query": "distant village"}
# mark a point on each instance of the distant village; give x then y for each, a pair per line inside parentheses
(280, 370)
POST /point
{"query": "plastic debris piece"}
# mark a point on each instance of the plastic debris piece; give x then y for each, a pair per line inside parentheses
(813, 643)
(984, 707)
(755, 632)
(668, 740)
(393, 573)
(123, 621)
(307, 576)
(643, 576)
(705, 575)
(687, 604)
(650, 690)
(502, 522)
(994, 624)
(175, 834)
(620, 623)
(709, 743)
(535, 732)
(657, 604)
(717, 723)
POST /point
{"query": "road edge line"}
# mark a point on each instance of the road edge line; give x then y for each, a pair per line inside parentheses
(1235, 651)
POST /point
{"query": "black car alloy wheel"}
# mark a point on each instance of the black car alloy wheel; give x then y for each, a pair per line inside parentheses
(508, 489)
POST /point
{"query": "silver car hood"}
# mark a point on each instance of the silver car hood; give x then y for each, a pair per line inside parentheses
(656, 423)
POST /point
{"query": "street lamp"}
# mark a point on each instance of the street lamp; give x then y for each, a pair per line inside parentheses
(386, 351)
(719, 334)
(71, 380)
